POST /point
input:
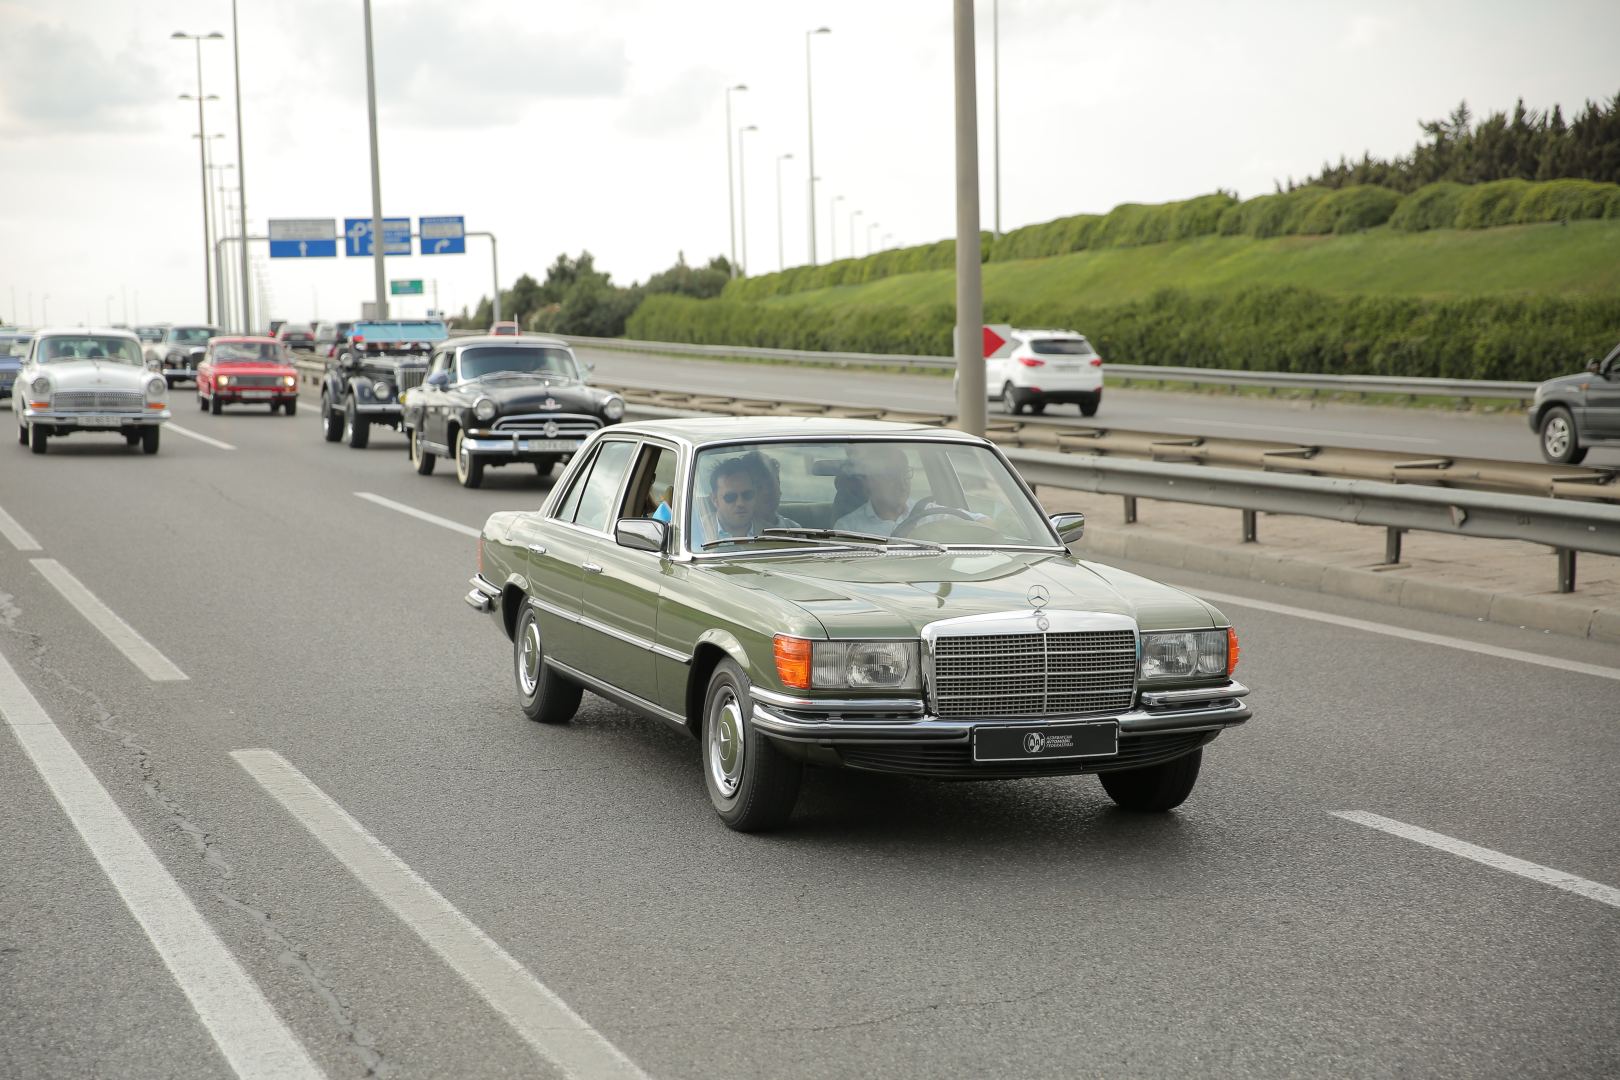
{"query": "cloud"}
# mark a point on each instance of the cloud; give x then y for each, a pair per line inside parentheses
(57, 80)
(681, 104)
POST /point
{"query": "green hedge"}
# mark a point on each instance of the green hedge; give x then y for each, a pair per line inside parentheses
(1257, 329)
(1433, 206)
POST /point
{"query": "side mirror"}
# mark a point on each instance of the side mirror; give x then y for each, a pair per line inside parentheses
(1070, 527)
(1592, 365)
(439, 380)
(642, 534)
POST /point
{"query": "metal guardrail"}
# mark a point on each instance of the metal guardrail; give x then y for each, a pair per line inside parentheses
(1567, 525)
(1276, 380)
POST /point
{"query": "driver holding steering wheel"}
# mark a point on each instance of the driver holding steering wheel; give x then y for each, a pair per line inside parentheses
(888, 505)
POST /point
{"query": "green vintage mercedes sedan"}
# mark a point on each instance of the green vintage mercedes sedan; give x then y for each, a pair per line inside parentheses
(890, 597)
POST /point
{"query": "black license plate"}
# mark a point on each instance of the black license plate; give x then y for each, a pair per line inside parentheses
(1046, 742)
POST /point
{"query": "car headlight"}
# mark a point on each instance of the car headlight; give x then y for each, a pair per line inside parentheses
(383, 391)
(41, 387)
(155, 389)
(613, 408)
(289, 380)
(484, 409)
(224, 380)
(847, 665)
(1186, 654)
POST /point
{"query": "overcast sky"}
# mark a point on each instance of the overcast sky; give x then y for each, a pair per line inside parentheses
(600, 125)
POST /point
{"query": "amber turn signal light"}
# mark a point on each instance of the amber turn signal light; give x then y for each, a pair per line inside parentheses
(792, 661)
(1232, 650)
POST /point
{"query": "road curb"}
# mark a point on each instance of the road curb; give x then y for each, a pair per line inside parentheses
(1384, 587)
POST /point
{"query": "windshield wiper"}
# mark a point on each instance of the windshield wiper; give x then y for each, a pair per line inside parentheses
(764, 535)
(850, 534)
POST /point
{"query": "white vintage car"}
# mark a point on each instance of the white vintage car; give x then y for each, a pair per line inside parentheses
(76, 380)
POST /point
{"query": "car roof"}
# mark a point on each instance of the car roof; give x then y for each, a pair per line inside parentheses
(1029, 333)
(706, 430)
(507, 339)
(79, 331)
(253, 339)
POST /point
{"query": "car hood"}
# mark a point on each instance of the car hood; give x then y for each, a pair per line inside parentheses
(1566, 383)
(80, 374)
(533, 394)
(897, 595)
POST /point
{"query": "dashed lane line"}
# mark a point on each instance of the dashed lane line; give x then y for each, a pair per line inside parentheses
(421, 515)
(142, 653)
(20, 537)
(253, 1039)
(553, 1030)
(1556, 662)
(199, 436)
(1592, 890)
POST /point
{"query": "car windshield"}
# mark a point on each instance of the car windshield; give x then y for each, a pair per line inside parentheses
(117, 350)
(521, 359)
(1060, 347)
(151, 334)
(295, 328)
(913, 492)
(192, 335)
(226, 352)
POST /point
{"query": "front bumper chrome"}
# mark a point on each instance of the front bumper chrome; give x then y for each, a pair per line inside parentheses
(515, 444)
(483, 595)
(796, 720)
(375, 408)
(76, 419)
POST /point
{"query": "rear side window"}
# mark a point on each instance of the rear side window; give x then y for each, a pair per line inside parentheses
(1060, 347)
(599, 492)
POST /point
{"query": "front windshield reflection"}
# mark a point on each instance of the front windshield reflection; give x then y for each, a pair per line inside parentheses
(115, 350)
(524, 360)
(838, 491)
(226, 352)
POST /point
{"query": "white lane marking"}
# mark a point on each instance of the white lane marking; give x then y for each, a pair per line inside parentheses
(1557, 662)
(434, 519)
(230, 1005)
(20, 537)
(1592, 890)
(142, 653)
(188, 433)
(543, 1019)
(1301, 430)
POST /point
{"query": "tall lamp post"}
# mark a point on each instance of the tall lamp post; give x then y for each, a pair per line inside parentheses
(995, 80)
(832, 225)
(202, 155)
(969, 293)
(731, 200)
(869, 227)
(379, 243)
(213, 222)
(810, 127)
(241, 172)
(742, 191)
(852, 218)
(781, 260)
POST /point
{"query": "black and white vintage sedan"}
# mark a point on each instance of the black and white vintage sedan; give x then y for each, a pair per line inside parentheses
(502, 400)
(178, 352)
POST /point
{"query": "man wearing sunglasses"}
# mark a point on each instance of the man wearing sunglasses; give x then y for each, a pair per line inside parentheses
(738, 493)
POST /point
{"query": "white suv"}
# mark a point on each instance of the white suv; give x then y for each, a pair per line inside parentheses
(1037, 367)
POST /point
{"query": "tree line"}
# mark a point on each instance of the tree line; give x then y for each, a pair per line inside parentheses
(577, 298)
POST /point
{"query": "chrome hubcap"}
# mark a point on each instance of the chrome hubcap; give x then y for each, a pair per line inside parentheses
(1556, 436)
(726, 745)
(463, 456)
(529, 658)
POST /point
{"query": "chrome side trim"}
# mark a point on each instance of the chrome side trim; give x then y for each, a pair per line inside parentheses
(619, 697)
(630, 639)
(883, 706)
(433, 447)
(553, 609)
(1162, 698)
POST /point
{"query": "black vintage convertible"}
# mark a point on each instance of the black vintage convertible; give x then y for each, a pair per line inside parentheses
(497, 400)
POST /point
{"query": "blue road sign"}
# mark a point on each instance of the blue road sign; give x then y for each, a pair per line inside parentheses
(357, 236)
(302, 238)
(442, 235)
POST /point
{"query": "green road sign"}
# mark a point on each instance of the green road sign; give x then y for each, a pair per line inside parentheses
(411, 287)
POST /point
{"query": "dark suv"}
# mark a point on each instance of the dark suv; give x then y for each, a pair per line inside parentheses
(380, 361)
(1573, 413)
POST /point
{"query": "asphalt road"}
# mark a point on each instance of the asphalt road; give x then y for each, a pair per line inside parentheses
(1425, 433)
(896, 929)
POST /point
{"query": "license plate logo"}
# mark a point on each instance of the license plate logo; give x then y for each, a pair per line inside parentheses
(1046, 742)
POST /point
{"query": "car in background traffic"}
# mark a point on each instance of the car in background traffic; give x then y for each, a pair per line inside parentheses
(297, 336)
(489, 401)
(504, 329)
(246, 371)
(149, 335)
(13, 347)
(1032, 369)
(329, 336)
(381, 360)
(180, 350)
(1573, 413)
(89, 380)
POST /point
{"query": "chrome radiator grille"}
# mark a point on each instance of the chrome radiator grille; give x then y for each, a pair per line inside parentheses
(569, 425)
(255, 380)
(1052, 674)
(409, 377)
(96, 400)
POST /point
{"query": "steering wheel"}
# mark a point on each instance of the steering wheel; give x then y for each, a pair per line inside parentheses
(927, 508)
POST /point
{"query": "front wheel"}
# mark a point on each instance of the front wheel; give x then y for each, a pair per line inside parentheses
(420, 458)
(149, 439)
(1560, 443)
(37, 439)
(22, 432)
(1156, 788)
(356, 430)
(333, 423)
(544, 695)
(290, 406)
(469, 468)
(215, 406)
(751, 783)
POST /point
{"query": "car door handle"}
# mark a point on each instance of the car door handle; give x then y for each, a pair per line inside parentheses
(538, 549)
(591, 568)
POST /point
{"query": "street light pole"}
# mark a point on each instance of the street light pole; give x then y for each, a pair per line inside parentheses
(241, 172)
(742, 191)
(495, 266)
(202, 159)
(832, 225)
(377, 240)
(869, 227)
(731, 201)
(852, 218)
(995, 79)
(810, 127)
(970, 399)
(781, 259)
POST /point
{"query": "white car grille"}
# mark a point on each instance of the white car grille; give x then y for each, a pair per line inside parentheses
(96, 400)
